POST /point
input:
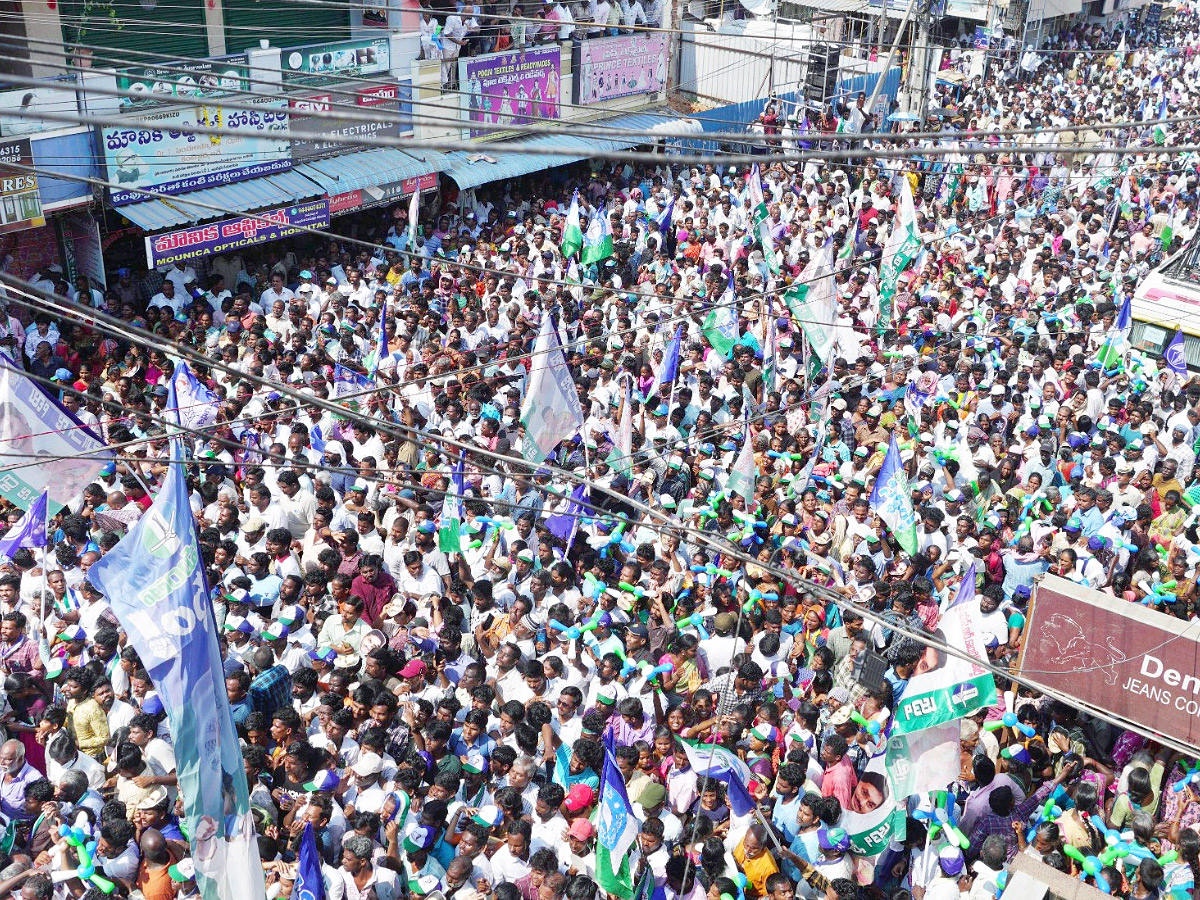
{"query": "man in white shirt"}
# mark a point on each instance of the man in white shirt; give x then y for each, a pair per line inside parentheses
(454, 35)
(277, 291)
(182, 275)
(171, 297)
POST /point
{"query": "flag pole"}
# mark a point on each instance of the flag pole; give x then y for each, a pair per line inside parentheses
(45, 543)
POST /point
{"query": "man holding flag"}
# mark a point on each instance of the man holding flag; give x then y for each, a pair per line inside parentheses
(904, 241)
(155, 585)
(617, 830)
(572, 239)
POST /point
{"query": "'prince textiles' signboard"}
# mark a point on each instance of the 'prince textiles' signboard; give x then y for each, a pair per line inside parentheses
(622, 66)
(1122, 657)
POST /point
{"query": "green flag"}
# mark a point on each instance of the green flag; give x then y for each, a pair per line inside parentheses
(572, 238)
(817, 313)
(761, 218)
(745, 470)
(551, 412)
(620, 459)
(598, 242)
(720, 325)
(770, 351)
(616, 830)
(847, 252)
(794, 298)
(450, 523)
(1116, 342)
(903, 244)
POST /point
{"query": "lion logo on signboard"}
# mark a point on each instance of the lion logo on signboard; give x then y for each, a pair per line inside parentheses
(1067, 643)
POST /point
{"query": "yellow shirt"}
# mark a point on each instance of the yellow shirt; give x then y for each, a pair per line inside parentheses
(756, 870)
(89, 723)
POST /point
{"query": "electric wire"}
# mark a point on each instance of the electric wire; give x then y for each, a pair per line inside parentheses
(346, 112)
(720, 546)
(689, 316)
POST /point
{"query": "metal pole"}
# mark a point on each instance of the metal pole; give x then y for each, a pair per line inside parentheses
(883, 8)
(887, 63)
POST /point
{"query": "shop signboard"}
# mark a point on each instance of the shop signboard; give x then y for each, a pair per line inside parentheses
(376, 113)
(378, 195)
(233, 234)
(510, 88)
(20, 108)
(158, 153)
(199, 79)
(622, 66)
(1121, 657)
(20, 201)
(319, 64)
(375, 13)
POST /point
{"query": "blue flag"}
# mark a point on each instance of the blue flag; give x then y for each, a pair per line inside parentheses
(966, 588)
(665, 229)
(380, 351)
(617, 830)
(347, 381)
(1174, 356)
(671, 358)
(565, 525)
(154, 581)
(195, 406)
(309, 883)
(1125, 316)
(892, 501)
(740, 801)
(30, 530)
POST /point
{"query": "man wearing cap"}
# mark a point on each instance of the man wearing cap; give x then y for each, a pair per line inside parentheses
(951, 877)
(366, 793)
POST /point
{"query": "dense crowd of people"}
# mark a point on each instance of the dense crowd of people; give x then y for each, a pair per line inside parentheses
(441, 709)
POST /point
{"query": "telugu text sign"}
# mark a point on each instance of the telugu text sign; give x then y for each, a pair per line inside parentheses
(1122, 657)
(622, 66)
(511, 88)
(161, 153)
(232, 234)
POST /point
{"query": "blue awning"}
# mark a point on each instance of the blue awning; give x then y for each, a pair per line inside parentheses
(651, 123)
(371, 168)
(226, 200)
(490, 162)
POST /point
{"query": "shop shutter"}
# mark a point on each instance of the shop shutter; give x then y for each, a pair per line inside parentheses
(283, 24)
(136, 32)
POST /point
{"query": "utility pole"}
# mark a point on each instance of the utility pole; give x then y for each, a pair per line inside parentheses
(919, 64)
(887, 63)
(883, 9)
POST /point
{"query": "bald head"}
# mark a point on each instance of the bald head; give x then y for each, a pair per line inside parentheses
(154, 847)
